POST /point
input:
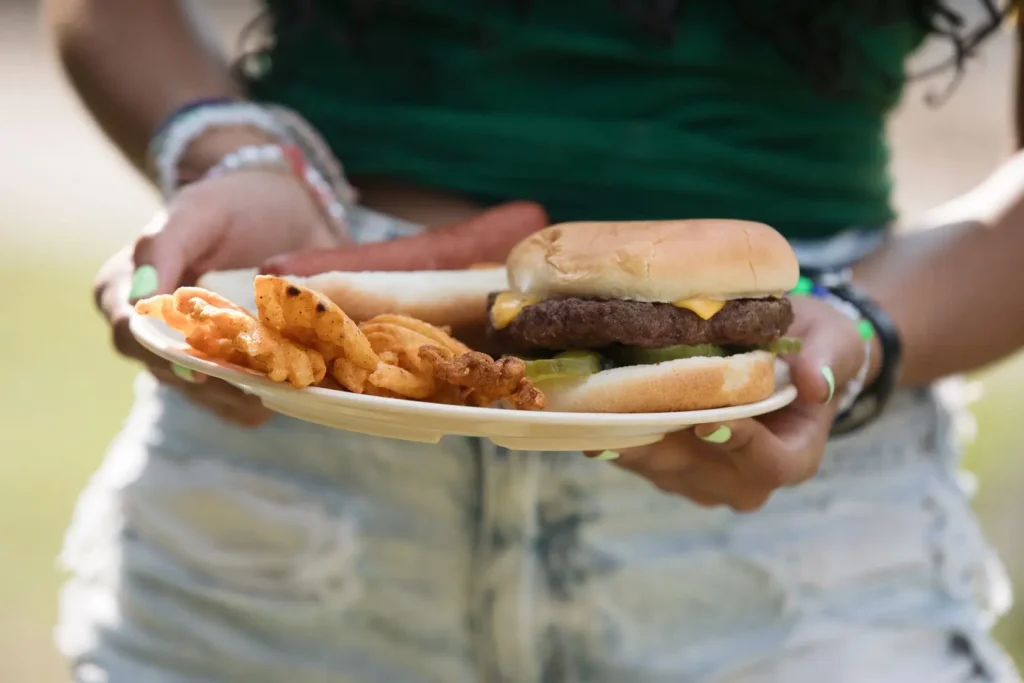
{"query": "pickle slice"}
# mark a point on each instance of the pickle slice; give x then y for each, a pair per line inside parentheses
(579, 354)
(784, 346)
(568, 365)
(634, 355)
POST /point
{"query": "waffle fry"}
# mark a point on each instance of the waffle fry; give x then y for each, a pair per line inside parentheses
(488, 380)
(301, 337)
(397, 340)
(305, 316)
(438, 336)
(349, 375)
(403, 382)
(397, 345)
(227, 332)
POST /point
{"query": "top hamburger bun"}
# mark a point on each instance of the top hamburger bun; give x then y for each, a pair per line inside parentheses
(658, 261)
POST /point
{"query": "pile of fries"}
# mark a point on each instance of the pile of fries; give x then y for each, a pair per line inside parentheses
(301, 337)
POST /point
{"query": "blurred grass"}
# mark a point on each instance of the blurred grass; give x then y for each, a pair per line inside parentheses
(65, 394)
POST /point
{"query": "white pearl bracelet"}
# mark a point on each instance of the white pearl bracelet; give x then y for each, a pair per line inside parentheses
(291, 158)
(166, 150)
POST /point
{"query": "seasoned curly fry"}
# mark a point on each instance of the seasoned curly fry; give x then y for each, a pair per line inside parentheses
(350, 375)
(397, 345)
(167, 307)
(437, 335)
(265, 349)
(450, 394)
(389, 357)
(397, 339)
(222, 330)
(307, 317)
(488, 379)
(164, 307)
(402, 382)
(185, 293)
(300, 336)
(388, 334)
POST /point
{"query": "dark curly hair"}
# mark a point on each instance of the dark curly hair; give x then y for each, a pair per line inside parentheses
(810, 35)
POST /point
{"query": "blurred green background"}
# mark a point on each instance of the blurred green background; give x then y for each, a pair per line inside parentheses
(67, 201)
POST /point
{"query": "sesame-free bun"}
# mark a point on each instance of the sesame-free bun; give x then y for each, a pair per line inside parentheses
(679, 385)
(454, 298)
(662, 261)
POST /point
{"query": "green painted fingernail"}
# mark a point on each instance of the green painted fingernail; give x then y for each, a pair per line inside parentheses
(607, 455)
(830, 378)
(181, 372)
(144, 282)
(720, 435)
(803, 287)
(866, 329)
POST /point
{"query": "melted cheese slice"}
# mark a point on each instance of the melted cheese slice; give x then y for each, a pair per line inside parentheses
(705, 308)
(508, 305)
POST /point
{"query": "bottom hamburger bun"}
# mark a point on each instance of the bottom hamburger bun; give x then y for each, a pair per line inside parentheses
(454, 298)
(679, 385)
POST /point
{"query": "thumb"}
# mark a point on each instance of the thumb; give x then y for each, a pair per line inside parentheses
(832, 354)
(162, 255)
(487, 237)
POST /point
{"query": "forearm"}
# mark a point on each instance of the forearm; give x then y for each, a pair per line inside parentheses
(133, 63)
(956, 293)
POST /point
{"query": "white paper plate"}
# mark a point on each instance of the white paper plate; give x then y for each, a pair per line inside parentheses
(428, 422)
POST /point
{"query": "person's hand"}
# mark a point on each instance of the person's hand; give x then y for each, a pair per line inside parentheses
(741, 463)
(242, 220)
(234, 221)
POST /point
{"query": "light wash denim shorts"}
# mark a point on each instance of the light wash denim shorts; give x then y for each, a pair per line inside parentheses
(202, 552)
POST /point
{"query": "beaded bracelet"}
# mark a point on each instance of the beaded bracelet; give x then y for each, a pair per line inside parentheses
(291, 158)
(317, 151)
(192, 120)
(191, 105)
(807, 287)
(167, 148)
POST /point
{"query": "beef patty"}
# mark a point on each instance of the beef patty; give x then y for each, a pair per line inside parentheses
(578, 323)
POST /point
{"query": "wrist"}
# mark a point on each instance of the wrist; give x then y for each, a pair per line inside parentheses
(209, 148)
(877, 381)
(201, 134)
(877, 361)
(292, 160)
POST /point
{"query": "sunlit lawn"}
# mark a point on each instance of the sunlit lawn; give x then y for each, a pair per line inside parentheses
(64, 394)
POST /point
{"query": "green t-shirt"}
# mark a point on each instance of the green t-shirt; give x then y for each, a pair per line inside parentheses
(575, 107)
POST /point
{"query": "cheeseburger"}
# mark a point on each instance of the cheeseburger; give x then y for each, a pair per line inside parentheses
(648, 316)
